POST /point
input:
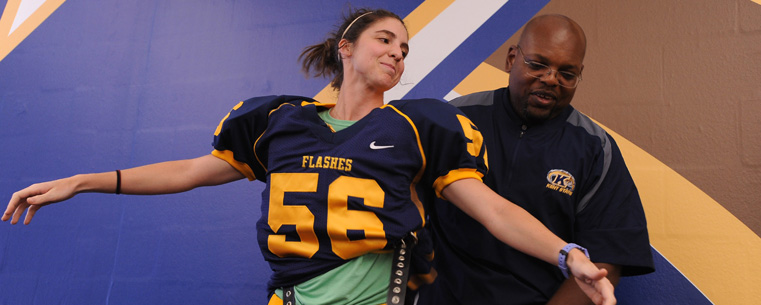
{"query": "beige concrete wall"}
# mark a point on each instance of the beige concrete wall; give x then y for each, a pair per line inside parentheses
(681, 80)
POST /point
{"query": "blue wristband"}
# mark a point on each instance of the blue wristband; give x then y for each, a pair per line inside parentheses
(563, 257)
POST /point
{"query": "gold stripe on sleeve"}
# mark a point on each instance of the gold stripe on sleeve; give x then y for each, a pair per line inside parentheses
(454, 175)
(243, 168)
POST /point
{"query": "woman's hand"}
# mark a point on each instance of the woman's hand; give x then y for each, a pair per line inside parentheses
(37, 196)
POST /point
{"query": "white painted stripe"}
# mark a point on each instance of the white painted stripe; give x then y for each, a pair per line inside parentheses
(451, 95)
(440, 38)
(26, 8)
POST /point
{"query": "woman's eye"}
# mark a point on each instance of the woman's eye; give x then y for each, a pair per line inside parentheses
(385, 40)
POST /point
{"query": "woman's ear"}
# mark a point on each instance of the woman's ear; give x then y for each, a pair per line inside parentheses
(344, 49)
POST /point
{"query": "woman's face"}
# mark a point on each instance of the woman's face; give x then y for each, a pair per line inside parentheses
(377, 56)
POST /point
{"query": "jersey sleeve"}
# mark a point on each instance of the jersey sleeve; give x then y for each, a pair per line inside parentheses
(236, 135)
(612, 223)
(452, 145)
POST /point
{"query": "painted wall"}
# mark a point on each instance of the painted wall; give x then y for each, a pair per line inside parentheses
(100, 85)
(679, 81)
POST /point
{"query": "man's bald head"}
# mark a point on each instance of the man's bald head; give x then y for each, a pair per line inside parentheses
(555, 28)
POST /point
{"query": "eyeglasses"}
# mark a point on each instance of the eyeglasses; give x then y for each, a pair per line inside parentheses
(539, 70)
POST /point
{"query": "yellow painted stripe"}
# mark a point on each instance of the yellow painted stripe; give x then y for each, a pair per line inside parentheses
(484, 77)
(9, 40)
(327, 95)
(415, 21)
(423, 14)
(757, 1)
(710, 246)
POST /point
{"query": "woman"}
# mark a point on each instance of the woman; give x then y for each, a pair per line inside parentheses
(346, 183)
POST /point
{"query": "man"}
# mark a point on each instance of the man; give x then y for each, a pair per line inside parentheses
(554, 162)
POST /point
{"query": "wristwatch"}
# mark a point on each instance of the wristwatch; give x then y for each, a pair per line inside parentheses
(563, 257)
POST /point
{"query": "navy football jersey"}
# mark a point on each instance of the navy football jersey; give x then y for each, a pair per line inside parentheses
(333, 196)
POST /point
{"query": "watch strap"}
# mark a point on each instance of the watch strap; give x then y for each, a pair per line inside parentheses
(563, 257)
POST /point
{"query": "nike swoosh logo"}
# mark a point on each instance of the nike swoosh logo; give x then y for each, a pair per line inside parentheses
(373, 146)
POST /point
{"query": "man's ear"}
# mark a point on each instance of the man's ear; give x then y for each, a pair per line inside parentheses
(510, 59)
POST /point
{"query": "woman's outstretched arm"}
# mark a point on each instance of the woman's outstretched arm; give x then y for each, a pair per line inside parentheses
(158, 178)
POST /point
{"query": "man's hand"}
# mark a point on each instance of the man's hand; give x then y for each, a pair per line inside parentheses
(591, 279)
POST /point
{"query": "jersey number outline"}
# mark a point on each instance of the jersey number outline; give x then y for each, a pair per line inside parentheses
(340, 220)
(471, 133)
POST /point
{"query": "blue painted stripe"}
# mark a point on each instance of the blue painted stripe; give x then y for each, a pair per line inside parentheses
(665, 286)
(479, 46)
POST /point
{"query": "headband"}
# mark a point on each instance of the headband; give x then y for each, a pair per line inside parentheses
(352, 23)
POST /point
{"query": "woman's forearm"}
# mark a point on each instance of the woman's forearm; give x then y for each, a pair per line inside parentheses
(508, 222)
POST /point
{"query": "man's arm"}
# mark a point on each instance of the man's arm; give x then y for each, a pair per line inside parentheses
(569, 292)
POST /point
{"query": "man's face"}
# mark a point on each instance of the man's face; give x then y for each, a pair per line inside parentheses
(539, 99)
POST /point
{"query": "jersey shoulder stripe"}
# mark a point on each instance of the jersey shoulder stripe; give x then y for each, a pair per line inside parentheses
(447, 137)
(578, 119)
(240, 129)
(484, 98)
